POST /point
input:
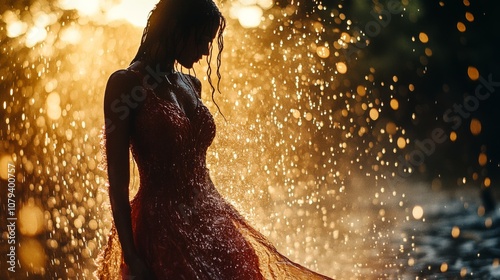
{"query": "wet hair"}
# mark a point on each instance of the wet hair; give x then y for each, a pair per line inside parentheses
(172, 19)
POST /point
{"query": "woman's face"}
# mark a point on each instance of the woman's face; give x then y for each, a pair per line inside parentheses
(194, 46)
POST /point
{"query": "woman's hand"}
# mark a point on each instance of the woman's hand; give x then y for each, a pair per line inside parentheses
(139, 270)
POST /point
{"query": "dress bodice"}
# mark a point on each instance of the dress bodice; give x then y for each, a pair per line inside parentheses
(167, 145)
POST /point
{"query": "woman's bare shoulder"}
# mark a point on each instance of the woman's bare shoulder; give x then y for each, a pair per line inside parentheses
(119, 81)
(120, 76)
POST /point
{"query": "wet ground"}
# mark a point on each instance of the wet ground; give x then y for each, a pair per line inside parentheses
(457, 240)
(413, 232)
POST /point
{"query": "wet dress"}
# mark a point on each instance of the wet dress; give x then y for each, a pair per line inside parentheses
(183, 228)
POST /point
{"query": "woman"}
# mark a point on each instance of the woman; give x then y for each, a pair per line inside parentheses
(177, 226)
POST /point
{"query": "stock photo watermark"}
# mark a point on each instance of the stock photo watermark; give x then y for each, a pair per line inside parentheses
(126, 102)
(454, 116)
(11, 219)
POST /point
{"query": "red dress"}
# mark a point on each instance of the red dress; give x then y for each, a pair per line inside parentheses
(183, 227)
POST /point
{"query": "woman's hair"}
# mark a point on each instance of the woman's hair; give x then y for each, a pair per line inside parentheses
(172, 19)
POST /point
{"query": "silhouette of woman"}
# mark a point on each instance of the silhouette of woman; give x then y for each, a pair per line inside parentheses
(177, 226)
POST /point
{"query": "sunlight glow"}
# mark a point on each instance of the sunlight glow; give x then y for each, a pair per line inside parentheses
(265, 4)
(71, 35)
(87, 8)
(53, 108)
(16, 28)
(35, 35)
(249, 16)
(135, 12)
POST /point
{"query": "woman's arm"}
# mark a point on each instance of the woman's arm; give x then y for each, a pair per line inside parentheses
(117, 117)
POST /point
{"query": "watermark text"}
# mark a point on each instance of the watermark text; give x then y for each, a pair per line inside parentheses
(11, 218)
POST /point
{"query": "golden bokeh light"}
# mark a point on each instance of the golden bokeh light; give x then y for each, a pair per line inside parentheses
(15, 27)
(473, 73)
(455, 232)
(84, 8)
(5, 160)
(318, 27)
(248, 16)
(31, 221)
(361, 90)
(463, 272)
(135, 12)
(53, 106)
(265, 4)
(374, 114)
(394, 104)
(32, 256)
(461, 26)
(483, 159)
(417, 212)
(428, 52)
(35, 35)
(341, 67)
(475, 126)
(488, 222)
(391, 128)
(487, 182)
(444, 267)
(323, 52)
(401, 143)
(71, 35)
(469, 16)
(453, 136)
(481, 211)
(423, 37)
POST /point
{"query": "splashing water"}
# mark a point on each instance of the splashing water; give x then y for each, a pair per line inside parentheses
(310, 153)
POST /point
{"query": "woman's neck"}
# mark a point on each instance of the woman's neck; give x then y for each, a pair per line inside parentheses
(160, 65)
(156, 66)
